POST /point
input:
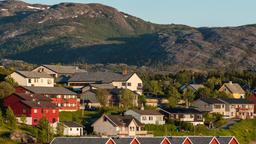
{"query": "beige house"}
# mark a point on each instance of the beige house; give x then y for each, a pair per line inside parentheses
(230, 108)
(27, 78)
(233, 89)
(72, 129)
(117, 125)
(147, 116)
(126, 81)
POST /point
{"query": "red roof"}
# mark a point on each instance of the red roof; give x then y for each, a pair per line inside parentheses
(252, 98)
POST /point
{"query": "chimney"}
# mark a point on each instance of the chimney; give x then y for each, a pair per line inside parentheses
(230, 82)
(125, 71)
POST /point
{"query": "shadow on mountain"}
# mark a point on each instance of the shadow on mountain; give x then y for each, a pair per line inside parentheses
(141, 50)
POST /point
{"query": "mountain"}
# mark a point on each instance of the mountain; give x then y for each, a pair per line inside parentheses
(95, 33)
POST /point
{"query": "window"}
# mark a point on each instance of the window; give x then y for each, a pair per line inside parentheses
(217, 106)
(129, 84)
(144, 118)
(77, 129)
(124, 84)
(131, 128)
(53, 111)
(53, 120)
(35, 110)
(49, 81)
(35, 120)
(139, 84)
(70, 129)
(150, 118)
(29, 80)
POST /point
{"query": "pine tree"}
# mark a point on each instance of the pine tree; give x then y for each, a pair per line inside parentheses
(11, 119)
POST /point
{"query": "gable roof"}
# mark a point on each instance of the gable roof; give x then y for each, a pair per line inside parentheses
(150, 140)
(147, 112)
(211, 100)
(49, 90)
(120, 120)
(180, 110)
(234, 88)
(196, 86)
(177, 140)
(101, 77)
(30, 97)
(39, 104)
(60, 69)
(225, 139)
(89, 96)
(122, 140)
(201, 139)
(32, 74)
(71, 124)
(236, 101)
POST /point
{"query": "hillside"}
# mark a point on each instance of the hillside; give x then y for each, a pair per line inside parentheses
(94, 33)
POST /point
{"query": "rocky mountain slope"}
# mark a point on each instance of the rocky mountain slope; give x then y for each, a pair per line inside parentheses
(94, 33)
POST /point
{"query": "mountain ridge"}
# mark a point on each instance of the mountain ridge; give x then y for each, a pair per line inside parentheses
(95, 33)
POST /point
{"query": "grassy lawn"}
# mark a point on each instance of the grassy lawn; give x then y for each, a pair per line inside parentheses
(78, 116)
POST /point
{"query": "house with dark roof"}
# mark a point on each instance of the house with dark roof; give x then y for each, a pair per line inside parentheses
(148, 140)
(228, 107)
(189, 115)
(118, 125)
(65, 99)
(36, 79)
(72, 129)
(233, 89)
(125, 80)
(147, 116)
(34, 107)
(89, 100)
(193, 87)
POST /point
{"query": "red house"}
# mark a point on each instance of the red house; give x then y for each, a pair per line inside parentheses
(33, 107)
(64, 99)
(253, 99)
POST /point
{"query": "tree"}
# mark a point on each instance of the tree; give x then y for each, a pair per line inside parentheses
(45, 131)
(1, 118)
(188, 96)
(204, 92)
(60, 129)
(155, 87)
(173, 96)
(6, 89)
(127, 98)
(23, 119)
(102, 96)
(11, 119)
(213, 83)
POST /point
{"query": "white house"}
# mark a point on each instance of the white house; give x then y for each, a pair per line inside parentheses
(147, 116)
(118, 125)
(72, 129)
(119, 80)
(27, 78)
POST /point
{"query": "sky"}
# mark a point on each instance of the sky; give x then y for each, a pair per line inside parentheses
(197, 13)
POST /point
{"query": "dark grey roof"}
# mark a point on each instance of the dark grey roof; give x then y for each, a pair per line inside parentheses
(147, 112)
(79, 140)
(212, 100)
(102, 86)
(120, 120)
(32, 74)
(60, 69)
(201, 139)
(71, 124)
(196, 86)
(39, 104)
(30, 97)
(100, 77)
(176, 140)
(89, 96)
(224, 139)
(49, 90)
(150, 140)
(236, 101)
(180, 110)
(123, 140)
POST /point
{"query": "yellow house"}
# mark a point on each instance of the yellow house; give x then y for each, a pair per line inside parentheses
(233, 89)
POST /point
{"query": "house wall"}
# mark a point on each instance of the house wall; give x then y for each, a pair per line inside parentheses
(134, 80)
(46, 70)
(38, 113)
(145, 119)
(19, 79)
(104, 127)
(73, 131)
(22, 81)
